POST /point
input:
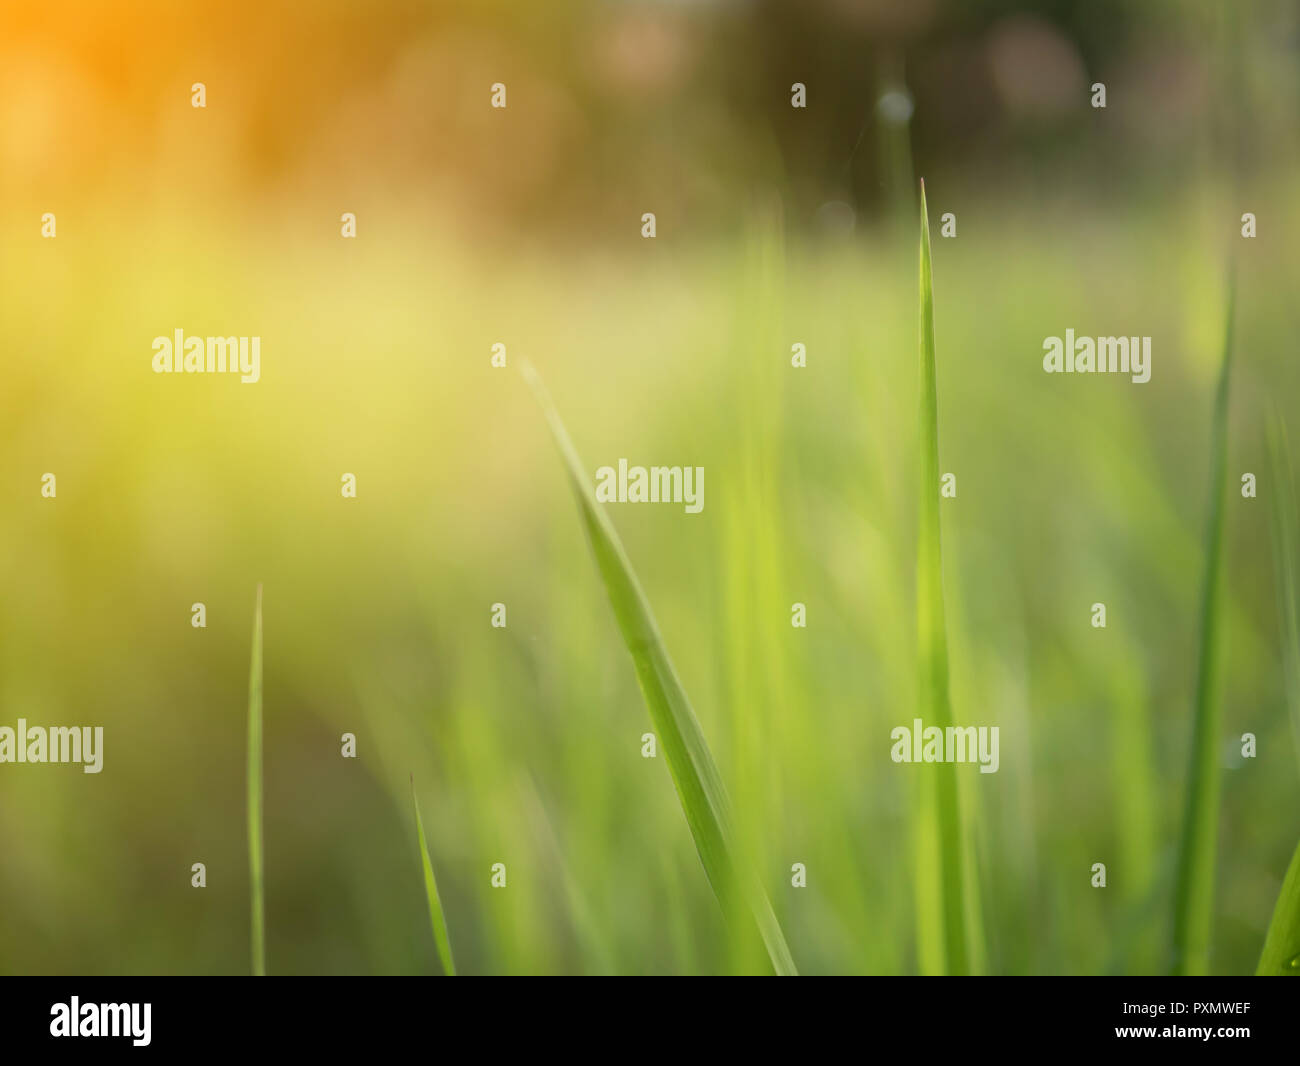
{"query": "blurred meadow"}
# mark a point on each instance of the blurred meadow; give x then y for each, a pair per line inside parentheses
(775, 226)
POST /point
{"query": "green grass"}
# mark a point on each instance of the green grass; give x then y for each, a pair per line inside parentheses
(436, 917)
(255, 793)
(1281, 954)
(941, 891)
(699, 786)
(1194, 885)
(1282, 515)
(1069, 492)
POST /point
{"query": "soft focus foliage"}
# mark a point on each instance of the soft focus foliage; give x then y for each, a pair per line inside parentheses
(776, 226)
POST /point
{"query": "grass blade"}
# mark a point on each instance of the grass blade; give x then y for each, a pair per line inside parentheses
(1194, 887)
(1282, 515)
(699, 787)
(940, 802)
(1281, 954)
(436, 918)
(255, 792)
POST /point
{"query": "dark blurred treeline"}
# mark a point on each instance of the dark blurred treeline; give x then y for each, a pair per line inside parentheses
(680, 107)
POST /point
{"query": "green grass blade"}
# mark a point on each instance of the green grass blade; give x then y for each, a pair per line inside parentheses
(699, 786)
(1281, 954)
(255, 793)
(1194, 886)
(436, 918)
(941, 804)
(1282, 515)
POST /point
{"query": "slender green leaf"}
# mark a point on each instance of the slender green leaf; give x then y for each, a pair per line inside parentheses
(255, 792)
(1282, 514)
(940, 886)
(1281, 954)
(1194, 886)
(436, 918)
(699, 786)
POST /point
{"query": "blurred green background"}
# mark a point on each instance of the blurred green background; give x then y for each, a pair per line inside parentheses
(776, 226)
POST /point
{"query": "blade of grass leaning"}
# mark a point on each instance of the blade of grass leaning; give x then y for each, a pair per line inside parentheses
(436, 918)
(1194, 884)
(255, 792)
(699, 786)
(941, 804)
(1281, 954)
(1282, 515)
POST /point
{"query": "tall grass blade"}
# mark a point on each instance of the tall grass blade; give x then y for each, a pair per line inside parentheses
(1194, 885)
(1281, 954)
(436, 918)
(1282, 514)
(255, 793)
(940, 803)
(699, 786)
